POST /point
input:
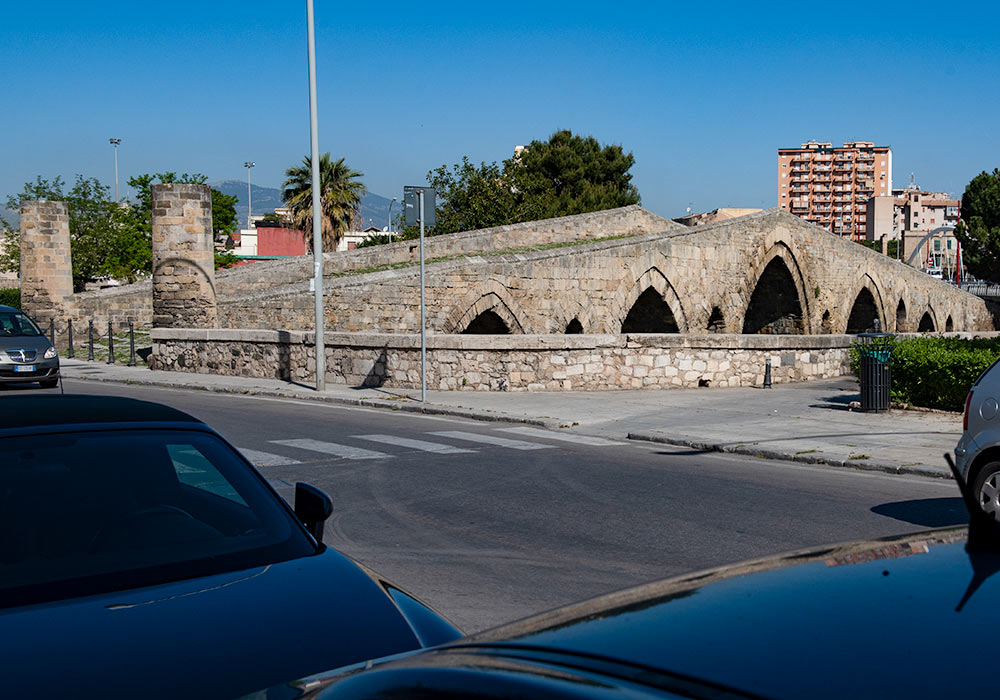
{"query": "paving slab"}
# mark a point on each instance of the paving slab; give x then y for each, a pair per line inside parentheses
(810, 422)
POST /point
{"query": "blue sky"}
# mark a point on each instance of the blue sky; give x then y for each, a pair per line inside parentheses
(703, 95)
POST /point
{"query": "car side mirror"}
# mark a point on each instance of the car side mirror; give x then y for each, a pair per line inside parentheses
(312, 507)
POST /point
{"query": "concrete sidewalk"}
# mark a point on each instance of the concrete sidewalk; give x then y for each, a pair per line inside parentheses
(806, 422)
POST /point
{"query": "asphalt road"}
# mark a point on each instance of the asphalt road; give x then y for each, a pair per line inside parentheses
(489, 524)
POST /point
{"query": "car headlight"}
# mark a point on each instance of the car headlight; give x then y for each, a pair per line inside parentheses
(50, 353)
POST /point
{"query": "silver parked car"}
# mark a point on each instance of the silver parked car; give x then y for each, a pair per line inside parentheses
(977, 455)
(26, 355)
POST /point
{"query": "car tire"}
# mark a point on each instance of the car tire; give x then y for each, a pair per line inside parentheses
(49, 383)
(986, 489)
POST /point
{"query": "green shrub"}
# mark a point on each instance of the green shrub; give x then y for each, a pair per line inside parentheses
(937, 372)
(10, 297)
(225, 260)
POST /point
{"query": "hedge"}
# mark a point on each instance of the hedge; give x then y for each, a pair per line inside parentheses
(937, 372)
(10, 297)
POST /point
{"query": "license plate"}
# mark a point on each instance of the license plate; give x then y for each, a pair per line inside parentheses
(24, 368)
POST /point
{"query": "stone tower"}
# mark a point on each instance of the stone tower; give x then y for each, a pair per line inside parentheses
(46, 265)
(183, 257)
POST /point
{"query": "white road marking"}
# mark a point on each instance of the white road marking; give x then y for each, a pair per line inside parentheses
(266, 459)
(332, 448)
(421, 445)
(565, 437)
(492, 440)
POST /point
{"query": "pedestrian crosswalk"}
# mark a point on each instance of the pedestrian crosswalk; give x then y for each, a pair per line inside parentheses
(390, 445)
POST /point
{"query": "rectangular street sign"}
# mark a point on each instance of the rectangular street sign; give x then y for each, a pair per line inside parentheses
(411, 207)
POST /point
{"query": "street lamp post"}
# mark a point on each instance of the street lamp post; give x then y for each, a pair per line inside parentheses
(388, 222)
(249, 164)
(317, 227)
(114, 143)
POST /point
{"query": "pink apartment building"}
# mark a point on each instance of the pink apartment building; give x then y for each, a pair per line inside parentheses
(830, 187)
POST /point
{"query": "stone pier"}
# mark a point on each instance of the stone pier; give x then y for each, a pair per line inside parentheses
(46, 264)
(183, 257)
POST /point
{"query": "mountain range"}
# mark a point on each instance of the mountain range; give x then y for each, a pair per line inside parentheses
(374, 207)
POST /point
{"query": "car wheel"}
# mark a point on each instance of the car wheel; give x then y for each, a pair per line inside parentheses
(986, 487)
(49, 383)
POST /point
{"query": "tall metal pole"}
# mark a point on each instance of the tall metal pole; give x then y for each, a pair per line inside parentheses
(317, 199)
(115, 142)
(423, 307)
(388, 226)
(249, 164)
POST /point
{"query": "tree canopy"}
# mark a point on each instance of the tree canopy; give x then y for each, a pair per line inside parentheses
(340, 197)
(979, 229)
(568, 174)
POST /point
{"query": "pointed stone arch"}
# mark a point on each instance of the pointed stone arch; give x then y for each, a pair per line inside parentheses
(776, 301)
(488, 296)
(488, 322)
(574, 327)
(949, 325)
(865, 307)
(653, 279)
(927, 324)
(775, 306)
(826, 324)
(650, 314)
(901, 316)
(864, 314)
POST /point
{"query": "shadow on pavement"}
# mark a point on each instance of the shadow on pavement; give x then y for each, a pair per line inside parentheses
(838, 403)
(929, 512)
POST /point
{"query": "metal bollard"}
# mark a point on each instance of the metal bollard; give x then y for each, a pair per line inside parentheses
(111, 343)
(90, 340)
(131, 344)
(767, 373)
(52, 331)
(69, 331)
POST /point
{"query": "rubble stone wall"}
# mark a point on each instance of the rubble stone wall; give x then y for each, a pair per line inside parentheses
(507, 363)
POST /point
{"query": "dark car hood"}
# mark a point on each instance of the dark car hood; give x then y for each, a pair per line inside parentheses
(900, 617)
(219, 636)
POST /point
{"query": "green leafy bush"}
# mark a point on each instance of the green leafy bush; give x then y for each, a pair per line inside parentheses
(937, 372)
(225, 260)
(10, 297)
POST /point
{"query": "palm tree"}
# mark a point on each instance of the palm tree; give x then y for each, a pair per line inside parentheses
(340, 198)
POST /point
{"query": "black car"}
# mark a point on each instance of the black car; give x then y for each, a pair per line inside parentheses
(901, 617)
(142, 556)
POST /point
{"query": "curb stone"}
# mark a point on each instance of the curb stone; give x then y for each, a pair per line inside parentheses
(858, 464)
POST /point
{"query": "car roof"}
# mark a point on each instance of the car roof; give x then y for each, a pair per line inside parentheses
(21, 411)
(7, 308)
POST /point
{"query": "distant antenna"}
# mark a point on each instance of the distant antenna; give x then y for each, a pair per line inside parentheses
(689, 208)
(913, 185)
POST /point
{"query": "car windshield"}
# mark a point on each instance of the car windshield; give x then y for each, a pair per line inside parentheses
(91, 512)
(15, 323)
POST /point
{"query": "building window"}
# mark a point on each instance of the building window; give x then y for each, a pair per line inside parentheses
(937, 246)
(949, 244)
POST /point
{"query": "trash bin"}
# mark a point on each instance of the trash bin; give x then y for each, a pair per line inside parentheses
(875, 350)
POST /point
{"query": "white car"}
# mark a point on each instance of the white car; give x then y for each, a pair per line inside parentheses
(977, 455)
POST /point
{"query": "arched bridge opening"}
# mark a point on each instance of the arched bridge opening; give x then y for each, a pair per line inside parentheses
(650, 314)
(774, 306)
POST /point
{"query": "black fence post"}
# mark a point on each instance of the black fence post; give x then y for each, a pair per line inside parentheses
(111, 343)
(131, 344)
(52, 331)
(69, 332)
(767, 373)
(90, 340)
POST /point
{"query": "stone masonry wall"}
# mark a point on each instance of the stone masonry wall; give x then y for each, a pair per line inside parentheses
(183, 257)
(269, 275)
(507, 363)
(46, 266)
(702, 273)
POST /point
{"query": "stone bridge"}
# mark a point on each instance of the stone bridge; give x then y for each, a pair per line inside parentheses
(769, 273)
(614, 299)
